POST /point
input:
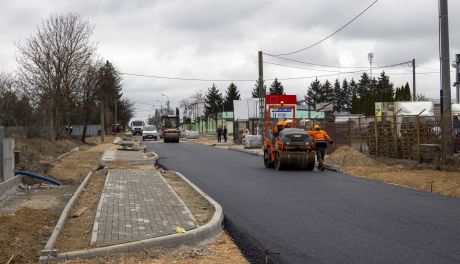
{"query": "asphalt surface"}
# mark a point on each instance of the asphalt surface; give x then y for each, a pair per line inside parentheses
(318, 217)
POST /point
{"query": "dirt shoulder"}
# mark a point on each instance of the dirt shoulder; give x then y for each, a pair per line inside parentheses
(24, 233)
(29, 215)
(400, 172)
(77, 230)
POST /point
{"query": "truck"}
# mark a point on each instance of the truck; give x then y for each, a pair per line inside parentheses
(170, 128)
(137, 126)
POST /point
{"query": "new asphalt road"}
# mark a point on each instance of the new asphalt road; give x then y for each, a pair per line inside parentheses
(319, 217)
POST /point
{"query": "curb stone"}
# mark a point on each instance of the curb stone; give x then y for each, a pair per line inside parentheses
(49, 249)
(70, 152)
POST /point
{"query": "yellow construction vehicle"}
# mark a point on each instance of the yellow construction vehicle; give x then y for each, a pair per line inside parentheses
(286, 146)
(170, 128)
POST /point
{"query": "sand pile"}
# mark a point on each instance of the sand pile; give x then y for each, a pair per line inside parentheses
(348, 156)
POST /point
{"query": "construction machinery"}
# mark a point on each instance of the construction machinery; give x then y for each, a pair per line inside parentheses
(286, 146)
(170, 128)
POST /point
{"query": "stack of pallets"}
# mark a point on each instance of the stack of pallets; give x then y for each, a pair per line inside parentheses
(384, 145)
(408, 139)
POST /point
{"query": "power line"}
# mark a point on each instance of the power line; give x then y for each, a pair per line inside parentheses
(334, 66)
(427, 68)
(296, 67)
(330, 35)
(316, 76)
(338, 66)
(187, 79)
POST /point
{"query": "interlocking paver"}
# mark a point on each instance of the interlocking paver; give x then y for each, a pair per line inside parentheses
(138, 204)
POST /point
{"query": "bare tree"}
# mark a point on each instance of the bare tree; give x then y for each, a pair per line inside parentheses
(187, 103)
(52, 63)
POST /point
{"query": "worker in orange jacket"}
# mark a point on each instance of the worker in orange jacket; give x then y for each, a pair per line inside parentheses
(321, 138)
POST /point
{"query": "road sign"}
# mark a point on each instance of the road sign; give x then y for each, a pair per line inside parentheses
(283, 110)
(322, 107)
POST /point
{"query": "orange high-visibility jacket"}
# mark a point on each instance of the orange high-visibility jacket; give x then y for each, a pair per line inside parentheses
(319, 136)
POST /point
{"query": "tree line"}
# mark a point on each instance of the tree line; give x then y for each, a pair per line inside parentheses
(356, 97)
(60, 80)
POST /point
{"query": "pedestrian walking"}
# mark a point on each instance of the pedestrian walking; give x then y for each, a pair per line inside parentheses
(320, 138)
(224, 133)
(219, 134)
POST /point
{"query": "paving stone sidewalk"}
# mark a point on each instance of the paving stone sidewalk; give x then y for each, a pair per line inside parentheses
(138, 204)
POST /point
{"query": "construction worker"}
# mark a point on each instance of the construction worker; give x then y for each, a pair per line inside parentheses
(321, 138)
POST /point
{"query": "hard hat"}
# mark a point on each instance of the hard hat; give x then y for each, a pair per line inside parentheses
(316, 126)
(282, 123)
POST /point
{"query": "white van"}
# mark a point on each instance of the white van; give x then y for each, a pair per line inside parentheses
(137, 126)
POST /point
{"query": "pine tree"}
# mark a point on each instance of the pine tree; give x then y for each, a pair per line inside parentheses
(397, 94)
(231, 94)
(384, 91)
(213, 102)
(327, 91)
(256, 91)
(354, 105)
(314, 93)
(347, 96)
(338, 100)
(277, 88)
(362, 87)
(407, 94)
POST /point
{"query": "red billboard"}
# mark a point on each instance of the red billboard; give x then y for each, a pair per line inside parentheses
(277, 99)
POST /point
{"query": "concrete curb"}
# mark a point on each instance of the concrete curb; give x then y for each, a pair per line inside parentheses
(8, 185)
(49, 249)
(97, 218)
(250, 151)
(105, 161)
(201, 235)
(70, 152)
(331, 167)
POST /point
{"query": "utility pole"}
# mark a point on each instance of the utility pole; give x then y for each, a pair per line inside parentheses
(261, 97)
(414, 94)
(456, 65)
(370, 57)
(446, 111)
(102, 121)
(116, 112)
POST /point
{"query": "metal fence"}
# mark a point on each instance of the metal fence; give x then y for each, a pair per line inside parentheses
(406, 137)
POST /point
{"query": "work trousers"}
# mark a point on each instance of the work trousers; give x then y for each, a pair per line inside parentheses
(320, 152)
(219, 137)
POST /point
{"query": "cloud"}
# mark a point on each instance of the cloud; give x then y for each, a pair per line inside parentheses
(220, 39)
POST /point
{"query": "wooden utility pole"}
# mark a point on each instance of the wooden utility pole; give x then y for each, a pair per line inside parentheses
(102, 121)
(446, 111)
(456, 65)
(414, 91)
(261, 97)
(116, 112)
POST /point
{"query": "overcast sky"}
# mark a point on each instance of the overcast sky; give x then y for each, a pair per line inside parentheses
(219, 39)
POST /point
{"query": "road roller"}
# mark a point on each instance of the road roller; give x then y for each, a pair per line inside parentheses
(286, 147)
(170, 128)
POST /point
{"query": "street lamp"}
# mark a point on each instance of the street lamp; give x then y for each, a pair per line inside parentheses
(167, 102)
(161, 105)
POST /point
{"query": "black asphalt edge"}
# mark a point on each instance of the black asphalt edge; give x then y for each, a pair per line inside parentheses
(248, 245)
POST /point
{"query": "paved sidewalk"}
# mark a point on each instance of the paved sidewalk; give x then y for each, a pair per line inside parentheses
(138, 204)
